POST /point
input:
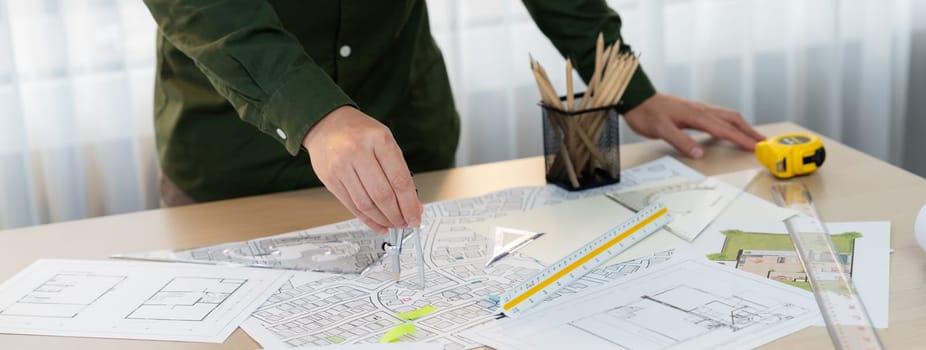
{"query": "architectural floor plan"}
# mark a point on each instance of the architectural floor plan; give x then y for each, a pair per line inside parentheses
(118, 299)
(683, 304)
(187, 299)
(63, 295)
(351, 309)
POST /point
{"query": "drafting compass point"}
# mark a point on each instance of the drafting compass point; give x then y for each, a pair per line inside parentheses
(393, 247)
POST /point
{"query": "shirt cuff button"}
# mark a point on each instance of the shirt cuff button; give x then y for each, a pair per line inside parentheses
(281, 134)
(345, 51)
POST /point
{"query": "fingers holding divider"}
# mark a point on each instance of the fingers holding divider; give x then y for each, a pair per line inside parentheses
(400, 180)
(340, 192)
(362, 198)
(357, 158)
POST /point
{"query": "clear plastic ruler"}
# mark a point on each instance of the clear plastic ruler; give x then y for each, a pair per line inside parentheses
(846, 320)
(573, 266)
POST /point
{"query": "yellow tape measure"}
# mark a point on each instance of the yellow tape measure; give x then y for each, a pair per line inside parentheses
(791, 154)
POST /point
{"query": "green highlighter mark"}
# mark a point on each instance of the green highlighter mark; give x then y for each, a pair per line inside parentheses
(397, 332)
(416, 314)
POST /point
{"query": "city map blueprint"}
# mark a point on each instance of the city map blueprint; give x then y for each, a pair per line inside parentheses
(352, 309)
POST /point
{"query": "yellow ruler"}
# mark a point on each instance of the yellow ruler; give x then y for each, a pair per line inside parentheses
(534, 290)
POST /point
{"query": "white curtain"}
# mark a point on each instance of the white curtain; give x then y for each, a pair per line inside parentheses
(76, 89)
(76, 79)
(841, 68)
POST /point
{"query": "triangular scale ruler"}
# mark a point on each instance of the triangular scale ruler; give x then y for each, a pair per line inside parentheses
(573, 266)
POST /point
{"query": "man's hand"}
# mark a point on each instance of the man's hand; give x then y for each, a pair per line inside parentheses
(664, 116)
(358, 160)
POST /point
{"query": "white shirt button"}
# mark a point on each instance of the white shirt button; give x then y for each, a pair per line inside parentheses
(345, 51)
(281, 134)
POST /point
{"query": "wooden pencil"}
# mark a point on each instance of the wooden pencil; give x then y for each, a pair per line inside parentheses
(578, 134)
(570, 99)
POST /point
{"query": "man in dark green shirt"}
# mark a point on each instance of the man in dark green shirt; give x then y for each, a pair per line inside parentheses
(259, 96)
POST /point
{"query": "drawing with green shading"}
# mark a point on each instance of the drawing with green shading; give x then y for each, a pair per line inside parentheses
(418, 313)
(408, 328)
(335, 339)
(397, 332)
(772, 255)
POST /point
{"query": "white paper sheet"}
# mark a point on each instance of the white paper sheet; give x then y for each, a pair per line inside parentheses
(569, 225)
(389, 346)
(133, 300)
(694, 204)
(566, 226)
(870, 257)
(682, 304)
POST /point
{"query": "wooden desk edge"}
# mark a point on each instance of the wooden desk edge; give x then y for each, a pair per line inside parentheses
(274, 213)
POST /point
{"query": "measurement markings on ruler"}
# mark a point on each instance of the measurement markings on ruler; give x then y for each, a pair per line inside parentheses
(846, 320)
(588, 257)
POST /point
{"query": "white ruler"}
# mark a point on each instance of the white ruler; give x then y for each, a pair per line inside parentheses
(843, 312)
(585, 259)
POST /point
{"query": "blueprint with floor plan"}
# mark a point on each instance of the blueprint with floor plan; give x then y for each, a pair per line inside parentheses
(358, 309)
(682, 304)
(133, 300)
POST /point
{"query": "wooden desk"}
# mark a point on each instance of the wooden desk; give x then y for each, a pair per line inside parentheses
(850, 187)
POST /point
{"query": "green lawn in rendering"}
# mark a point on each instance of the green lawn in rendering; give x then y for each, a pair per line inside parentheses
(737, 240)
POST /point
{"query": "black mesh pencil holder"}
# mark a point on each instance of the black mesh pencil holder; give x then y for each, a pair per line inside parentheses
(581, 147)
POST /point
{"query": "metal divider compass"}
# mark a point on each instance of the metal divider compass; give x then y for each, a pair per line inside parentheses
(393, 247)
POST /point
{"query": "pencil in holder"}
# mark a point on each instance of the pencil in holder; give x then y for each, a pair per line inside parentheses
(581, 147)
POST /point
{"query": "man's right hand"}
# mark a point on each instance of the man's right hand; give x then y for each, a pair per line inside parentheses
(359, 161)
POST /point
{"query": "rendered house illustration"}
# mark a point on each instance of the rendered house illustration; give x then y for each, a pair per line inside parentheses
(780, 265)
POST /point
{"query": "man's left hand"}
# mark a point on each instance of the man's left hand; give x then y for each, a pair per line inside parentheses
(664, 116)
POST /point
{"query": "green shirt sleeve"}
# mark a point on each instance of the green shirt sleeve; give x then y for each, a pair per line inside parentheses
(262, 69)
(573, 27)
